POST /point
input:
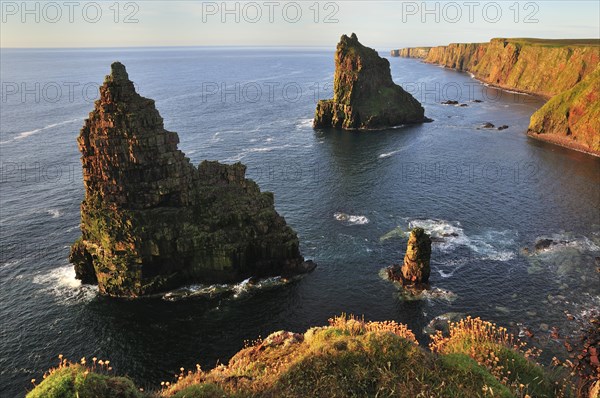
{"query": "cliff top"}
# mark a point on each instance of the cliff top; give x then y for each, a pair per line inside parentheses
(550, 42)
(530, 41)
(350, 357)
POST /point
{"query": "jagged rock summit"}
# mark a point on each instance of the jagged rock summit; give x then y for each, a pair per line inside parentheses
(151, 220)
(364, 94)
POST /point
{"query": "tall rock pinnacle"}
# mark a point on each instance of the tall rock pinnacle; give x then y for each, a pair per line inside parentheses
(415, 269)
(364, 94)
(151, 220)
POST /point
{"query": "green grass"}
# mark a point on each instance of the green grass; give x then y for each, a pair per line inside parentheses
(202, 391)
(348, 358)
(552, 42)
(74, 382)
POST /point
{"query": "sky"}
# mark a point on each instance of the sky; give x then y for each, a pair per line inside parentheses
(381, 24)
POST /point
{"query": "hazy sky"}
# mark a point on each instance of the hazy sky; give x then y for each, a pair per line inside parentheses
(381, 24)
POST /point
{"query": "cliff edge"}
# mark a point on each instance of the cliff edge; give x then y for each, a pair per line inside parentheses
(537, 66)
(564, 70)
(571, 118)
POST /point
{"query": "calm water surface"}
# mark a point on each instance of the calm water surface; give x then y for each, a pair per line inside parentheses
(483, 194)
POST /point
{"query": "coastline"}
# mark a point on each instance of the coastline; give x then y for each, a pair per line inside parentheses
(563, 142)
(505, 64)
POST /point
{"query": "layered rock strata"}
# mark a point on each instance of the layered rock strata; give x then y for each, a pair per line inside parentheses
(151, 220)
(416, 269)
(566, 71)
(364, 94)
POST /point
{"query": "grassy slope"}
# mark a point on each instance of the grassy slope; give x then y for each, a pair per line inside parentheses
(75, 381)
(349, 358)
(564, 70)
(572, 117)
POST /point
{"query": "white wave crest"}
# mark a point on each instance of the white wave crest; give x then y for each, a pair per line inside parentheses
(350, 219)
(249, 151)
(388, 154)
(232, 290)
(304, 124)
(54, 213)
(61, 283)
(489, 245)
(29, 133)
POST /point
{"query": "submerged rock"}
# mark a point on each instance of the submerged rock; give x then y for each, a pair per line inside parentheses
(450, 102)
(442, 323)
(503, 127)
(488, 125)
(151, 220)
(416, 269)
(364, 94)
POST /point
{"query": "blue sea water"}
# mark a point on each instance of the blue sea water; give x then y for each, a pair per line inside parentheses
(483, 194)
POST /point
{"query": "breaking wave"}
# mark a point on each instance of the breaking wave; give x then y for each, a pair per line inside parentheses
(61, 283)
(249, 151)
(350, 219)
(54, 213)
(388, 154)
(242, 289)
(489, 245)
(29, 133)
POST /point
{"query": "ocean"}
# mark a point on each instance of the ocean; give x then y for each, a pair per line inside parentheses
(483, 194)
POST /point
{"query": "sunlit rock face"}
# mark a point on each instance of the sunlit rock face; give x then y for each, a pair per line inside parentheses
(151, 220)
(364, 94)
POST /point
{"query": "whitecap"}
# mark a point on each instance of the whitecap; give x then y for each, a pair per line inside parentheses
(388, 154)
(61, 283)
(447, 235)
(233, 291)
(73, 228)
(304, 123)
(249, 151)
(29, 133)
(565, 241)
(12, 263)
(54, 213)
(351, 219)
(435, 293)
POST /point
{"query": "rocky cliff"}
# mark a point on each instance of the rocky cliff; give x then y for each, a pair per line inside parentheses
(414, 52)
(572, 118)
(365, 97)
(536, 66)
(151, 220)
(563, 70)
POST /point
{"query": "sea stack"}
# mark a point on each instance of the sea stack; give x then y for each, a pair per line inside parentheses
(364, 94)
(151, 220)
(416, 269)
